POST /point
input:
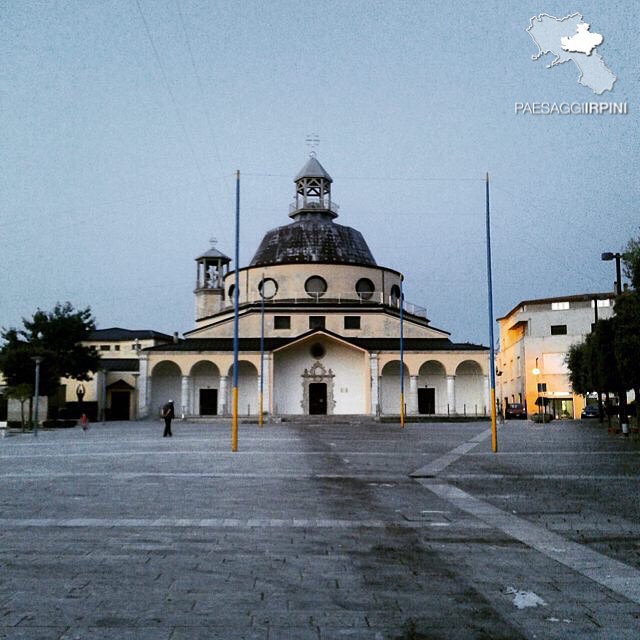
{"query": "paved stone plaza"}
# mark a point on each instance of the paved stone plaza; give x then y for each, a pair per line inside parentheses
(320, 532)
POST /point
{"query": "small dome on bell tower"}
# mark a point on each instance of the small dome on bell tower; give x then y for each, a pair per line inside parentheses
(212, 266)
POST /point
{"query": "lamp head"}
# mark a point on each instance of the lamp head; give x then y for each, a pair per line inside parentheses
(607, 256)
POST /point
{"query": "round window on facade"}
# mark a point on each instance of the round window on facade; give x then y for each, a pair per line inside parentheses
(268, 288)
(395, 295)
(365, 289)
(315, 286)
(317, 350)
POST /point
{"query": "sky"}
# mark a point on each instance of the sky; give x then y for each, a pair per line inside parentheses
(124, 122)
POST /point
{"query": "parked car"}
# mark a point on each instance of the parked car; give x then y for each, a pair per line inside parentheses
(590, 411)
(515, 410)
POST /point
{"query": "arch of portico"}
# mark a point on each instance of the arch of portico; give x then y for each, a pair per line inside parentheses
(432, 375)
(248, 388)
(389, 387)
(164, 385)
(203, 379)
(471, 389)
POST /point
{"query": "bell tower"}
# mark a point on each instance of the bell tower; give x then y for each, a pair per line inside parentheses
(212, 266)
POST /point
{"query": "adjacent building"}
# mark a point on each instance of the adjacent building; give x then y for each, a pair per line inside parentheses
(535, 337)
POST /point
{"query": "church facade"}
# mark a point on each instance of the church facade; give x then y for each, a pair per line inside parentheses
(330, 322)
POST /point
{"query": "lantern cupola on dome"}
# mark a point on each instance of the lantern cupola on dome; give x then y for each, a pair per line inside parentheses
(313, 191)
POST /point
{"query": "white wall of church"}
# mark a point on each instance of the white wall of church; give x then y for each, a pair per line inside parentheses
(348, 365)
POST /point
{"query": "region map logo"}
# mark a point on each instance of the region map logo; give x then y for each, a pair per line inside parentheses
(570, 39)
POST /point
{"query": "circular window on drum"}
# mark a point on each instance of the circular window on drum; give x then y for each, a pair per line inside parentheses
(365, 289)
(315, 286)
(268, 288)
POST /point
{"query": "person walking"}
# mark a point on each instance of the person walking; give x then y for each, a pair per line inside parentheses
(168, 414)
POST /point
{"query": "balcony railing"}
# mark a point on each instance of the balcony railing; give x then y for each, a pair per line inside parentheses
(351, 298)
(334, 207)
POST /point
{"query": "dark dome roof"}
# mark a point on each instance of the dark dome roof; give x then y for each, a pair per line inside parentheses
(313, 238)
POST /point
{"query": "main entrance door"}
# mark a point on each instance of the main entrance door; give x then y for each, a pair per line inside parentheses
(208, 402)
(427, 401)
(318, 398)
(120, 405)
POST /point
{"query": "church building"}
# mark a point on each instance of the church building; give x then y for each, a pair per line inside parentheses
(330, 319)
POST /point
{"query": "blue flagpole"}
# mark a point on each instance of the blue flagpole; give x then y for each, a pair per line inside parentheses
(492, 356)
(401, 353)
(236, 292)
(260, 418)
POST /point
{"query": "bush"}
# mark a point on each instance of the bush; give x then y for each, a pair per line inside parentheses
(541, 417)
(59, 424)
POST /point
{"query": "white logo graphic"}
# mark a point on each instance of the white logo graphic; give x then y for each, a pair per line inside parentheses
(569, 39)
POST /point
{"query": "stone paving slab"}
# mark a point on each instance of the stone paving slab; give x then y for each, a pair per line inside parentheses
(315, 532)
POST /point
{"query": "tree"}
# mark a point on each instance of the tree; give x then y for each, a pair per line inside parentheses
(22, 393)
(55, 336)
(627, 340)
(631, 259)
(579, 371)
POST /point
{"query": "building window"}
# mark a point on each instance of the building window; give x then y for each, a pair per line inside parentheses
(282, 322)
(559, 306)
(232, 288)
(315, 286)
(117, 347)
(558, 329)
(316, 322)
(395, 295)
(105, 347)
(365, 288)
(602, 303)
(352, 322)
(268, 288)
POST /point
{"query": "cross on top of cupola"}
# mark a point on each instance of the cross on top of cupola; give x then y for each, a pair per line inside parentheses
(313, 190)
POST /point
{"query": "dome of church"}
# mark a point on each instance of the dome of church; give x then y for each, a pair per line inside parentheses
(313, 236)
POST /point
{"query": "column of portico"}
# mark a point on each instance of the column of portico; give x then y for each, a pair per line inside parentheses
(451, 394)
(375, 390)
(266, 385)
(185, 405)
(412, 398)
(222, 396)
(144, 388)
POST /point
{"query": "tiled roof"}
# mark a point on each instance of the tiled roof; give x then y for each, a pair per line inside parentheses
(202, 345)
(116, 333)
(120, 364)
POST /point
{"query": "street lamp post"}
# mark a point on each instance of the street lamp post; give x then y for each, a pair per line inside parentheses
(607, 256)
(37, 360)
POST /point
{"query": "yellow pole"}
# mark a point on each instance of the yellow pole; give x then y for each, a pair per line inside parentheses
(402, 409)
(494, 427)
(260, 411)
(234, 419)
